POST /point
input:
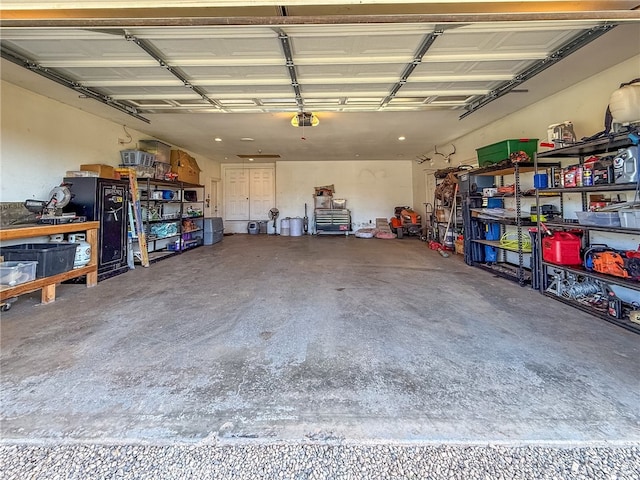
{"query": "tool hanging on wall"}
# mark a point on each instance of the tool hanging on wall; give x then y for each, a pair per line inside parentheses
(137, 213)
(305, 220)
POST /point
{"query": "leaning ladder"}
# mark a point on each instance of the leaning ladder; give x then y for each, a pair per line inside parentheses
(137, 214)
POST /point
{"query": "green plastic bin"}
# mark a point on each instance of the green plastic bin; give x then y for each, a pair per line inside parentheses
(498, 152)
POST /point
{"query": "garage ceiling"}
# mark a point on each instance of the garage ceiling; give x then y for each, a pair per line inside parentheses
(425, 72)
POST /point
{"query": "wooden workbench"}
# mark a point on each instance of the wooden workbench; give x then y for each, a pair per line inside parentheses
(48, 284)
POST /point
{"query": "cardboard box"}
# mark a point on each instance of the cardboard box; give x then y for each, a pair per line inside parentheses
(459, 246)
(104, 171)
(185, 166)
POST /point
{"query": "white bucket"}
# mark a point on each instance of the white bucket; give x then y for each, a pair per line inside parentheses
(83, 254)
(296, 227)
(285, 227)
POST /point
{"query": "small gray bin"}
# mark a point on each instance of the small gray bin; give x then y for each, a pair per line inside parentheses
(213, 230)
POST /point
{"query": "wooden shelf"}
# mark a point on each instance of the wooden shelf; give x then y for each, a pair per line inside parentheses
(48, 284)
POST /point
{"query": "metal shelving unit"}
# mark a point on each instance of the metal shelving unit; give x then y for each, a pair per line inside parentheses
(475, 241)
(551, 273)
(183, 217)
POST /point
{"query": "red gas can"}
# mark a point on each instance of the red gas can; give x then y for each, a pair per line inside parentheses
(562, 248)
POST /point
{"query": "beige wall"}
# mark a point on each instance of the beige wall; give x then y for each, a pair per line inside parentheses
(371, 188)
(41, 139)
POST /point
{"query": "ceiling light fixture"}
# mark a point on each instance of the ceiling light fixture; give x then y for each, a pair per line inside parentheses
(402, 138)
(217, 139)
(305, 119)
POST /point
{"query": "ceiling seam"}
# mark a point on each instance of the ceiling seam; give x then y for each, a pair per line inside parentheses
(71, 84)
(564, 51)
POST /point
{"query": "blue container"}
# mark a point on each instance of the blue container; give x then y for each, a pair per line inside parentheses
(493, 202)
(492, 233)
(540, 180)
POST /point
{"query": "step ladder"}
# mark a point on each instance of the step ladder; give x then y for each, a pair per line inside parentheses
(138, 226)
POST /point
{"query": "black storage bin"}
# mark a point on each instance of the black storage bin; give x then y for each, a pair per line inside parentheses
(52, 258)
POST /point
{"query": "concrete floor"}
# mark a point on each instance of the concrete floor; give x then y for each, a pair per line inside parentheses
(314, 338)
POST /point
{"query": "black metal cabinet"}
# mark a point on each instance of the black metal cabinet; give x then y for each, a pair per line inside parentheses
(106, 201)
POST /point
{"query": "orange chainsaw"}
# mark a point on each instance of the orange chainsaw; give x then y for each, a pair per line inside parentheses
(602, 259)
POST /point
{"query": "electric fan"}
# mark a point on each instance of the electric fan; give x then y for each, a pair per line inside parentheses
(273, 215)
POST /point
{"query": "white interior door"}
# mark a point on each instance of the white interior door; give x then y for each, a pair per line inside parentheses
(430, 187)
(261, 197)
(249, 193)
(236, 194)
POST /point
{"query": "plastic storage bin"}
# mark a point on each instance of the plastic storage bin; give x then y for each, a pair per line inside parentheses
(213, 230)
(137, 157)
(52, 258)
(497, 152)
(599, 219)
(629, 217)
(15, 273)
(161, 151)
(253, 228)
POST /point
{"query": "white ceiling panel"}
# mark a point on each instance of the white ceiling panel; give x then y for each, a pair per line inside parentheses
(218, 48)
(340, 90)
(502, 68)
(248, 91)
(105, 76)
(61, 50)
(501, 41)
(256, 75)
(351, 71)
(355, 46)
